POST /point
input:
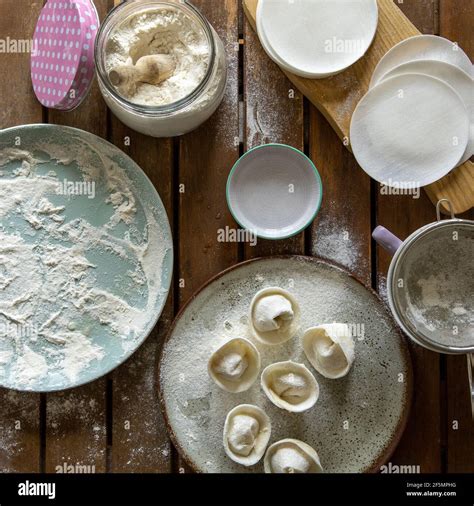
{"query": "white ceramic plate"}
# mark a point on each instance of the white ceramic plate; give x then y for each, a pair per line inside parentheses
(422, 47)
(357, 421)
(451, 75)
(274, 191)
(411, 129)
(316, 38)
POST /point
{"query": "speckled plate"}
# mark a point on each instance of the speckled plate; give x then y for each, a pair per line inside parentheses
(357, 421)
(126, 259)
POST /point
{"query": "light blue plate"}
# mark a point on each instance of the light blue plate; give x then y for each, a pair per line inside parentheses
(119, 275)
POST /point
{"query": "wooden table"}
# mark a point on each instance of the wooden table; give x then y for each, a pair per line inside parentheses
(114, 424)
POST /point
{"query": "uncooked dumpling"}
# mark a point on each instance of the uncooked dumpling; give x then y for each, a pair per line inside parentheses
(274, 316)
(290, 386)
(235, 365)
(291, 456)
(330, 349)
(247, 431)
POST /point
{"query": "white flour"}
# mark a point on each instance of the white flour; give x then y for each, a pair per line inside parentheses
(58, 308)
(161, 31)
(442, 311)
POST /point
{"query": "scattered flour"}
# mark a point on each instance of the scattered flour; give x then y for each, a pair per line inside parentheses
(441, 311)
(337, 242)
(58, 310)
(19, 414)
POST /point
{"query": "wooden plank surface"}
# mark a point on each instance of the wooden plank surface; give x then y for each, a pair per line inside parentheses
(455, 23)
(20, 445)
(114, 424)
(139, 440)
(336, 97)
(205, 158)
(420, 444)
(140, 444)
(273, 113)
(76, 432)
(342, 231)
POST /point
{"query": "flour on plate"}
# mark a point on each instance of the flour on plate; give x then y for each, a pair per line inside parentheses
(58, 308)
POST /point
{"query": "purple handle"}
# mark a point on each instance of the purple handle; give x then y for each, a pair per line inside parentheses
(387, 240)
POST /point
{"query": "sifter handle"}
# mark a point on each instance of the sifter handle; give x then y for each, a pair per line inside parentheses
(387, 240)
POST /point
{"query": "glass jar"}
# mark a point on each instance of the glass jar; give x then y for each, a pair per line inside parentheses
(186, 113)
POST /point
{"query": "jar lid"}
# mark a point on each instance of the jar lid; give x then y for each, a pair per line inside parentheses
(62, 63)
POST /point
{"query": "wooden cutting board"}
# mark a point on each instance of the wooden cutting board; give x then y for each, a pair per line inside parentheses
(336, 97)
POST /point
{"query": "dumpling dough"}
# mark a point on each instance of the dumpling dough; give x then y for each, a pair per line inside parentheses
(247, 431)
(235, 366)
(290, 386)
(291, 456)
(316, 43)
(330, 349)
(403, 130)
(272, 313)
(450, 74)
(422, 47)
(274, 316)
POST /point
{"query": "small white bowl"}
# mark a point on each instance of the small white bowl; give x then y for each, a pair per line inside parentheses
(274, 191)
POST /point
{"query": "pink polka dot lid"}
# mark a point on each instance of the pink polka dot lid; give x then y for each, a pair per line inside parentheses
(62, 63)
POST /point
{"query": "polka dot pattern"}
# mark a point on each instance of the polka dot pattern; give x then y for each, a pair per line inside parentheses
(62, 64)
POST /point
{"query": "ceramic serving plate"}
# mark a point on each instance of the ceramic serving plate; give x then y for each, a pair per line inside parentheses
(85, 257)
(357, 421)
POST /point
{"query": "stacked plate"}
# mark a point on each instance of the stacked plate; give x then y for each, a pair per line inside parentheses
(416, 123)
(316, 38)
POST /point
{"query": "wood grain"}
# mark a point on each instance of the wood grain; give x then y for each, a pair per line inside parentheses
(456, 22)
(336, 97)
(342, 231)
(205, 159)
(76, 431)
(420, 444)
(77, 428)
(20, 445)
(139, 439)
(140, 443)
(273, 113)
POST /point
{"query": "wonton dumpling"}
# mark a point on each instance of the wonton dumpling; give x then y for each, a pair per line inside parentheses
(330, 349)
(290, 386)
(274, 315)
(247, 431)
(235, 366)
(291, 456)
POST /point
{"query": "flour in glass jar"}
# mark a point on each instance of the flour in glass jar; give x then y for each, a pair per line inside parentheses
(161, 31)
